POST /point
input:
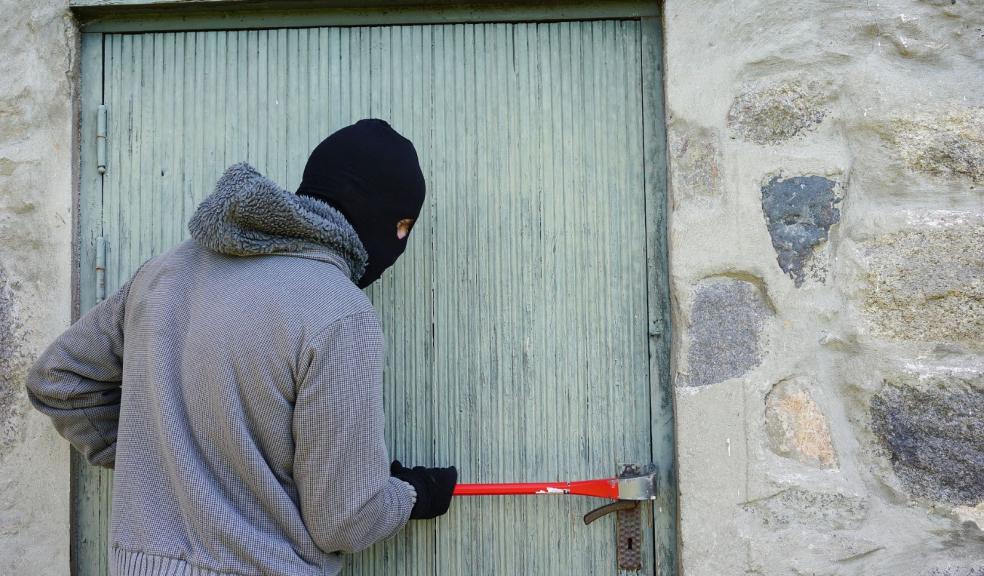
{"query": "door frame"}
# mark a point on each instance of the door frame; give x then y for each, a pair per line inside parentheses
(91, 487)
(186, 15)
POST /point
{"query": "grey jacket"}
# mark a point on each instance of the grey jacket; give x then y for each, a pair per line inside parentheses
(235, 384)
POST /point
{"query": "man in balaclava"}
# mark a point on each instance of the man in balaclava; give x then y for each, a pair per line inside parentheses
(370, 174)
(235, 382)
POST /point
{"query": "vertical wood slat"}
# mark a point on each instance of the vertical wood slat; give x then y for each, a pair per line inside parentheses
(87, 531)
(657, 263)
(516, 323)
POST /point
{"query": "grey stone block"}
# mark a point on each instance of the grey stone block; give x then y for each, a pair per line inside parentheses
(727, 319)
(933, 432)
(776, 113)
(800, 508)
(695, 164)
(796, 426)
(799, 212)
(926, 283)
(949, 144)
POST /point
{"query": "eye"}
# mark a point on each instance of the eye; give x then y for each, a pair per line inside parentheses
(403, 228)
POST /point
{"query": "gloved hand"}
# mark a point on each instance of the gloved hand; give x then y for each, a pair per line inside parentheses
(434, 487)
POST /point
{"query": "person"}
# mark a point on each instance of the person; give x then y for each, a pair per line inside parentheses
(235, 382)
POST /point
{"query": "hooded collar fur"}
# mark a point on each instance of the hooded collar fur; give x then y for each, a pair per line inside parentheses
(248, 215)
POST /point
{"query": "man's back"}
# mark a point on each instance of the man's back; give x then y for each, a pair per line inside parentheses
(249, 430)
(205, 440)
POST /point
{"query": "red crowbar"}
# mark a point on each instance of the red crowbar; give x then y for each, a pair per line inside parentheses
(637, 483)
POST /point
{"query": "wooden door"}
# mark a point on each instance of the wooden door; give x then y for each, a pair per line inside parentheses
(522, 324)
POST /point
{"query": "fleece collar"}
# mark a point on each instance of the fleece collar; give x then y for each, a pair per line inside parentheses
(248, 215)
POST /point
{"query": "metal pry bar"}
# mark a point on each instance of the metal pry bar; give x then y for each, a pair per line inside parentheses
(638, 482)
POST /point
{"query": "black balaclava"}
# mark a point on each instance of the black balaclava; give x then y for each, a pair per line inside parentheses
(369, 173)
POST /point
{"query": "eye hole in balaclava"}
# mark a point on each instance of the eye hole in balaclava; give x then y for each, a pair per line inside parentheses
(371, 174)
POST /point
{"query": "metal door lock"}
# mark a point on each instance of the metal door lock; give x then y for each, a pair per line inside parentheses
(628, 523)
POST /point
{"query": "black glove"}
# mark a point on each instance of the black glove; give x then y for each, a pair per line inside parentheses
(434, 487)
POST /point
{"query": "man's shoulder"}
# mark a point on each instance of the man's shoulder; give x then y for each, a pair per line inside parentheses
(316, 293)
(313, 292)
(327, 308)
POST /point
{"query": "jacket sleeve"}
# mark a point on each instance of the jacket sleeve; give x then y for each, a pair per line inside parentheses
(348, 499)
(77, 380)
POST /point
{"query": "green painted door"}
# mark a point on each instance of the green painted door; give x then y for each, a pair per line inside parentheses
(523, 322)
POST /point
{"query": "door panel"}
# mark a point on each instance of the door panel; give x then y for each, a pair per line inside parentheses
(541, 366)
(517, 321)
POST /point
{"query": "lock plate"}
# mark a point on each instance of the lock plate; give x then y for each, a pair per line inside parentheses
(628, 515)
(628, 532)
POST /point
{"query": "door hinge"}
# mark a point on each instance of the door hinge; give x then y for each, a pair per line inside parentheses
(101, 139)
(100, 269)
(655, 328)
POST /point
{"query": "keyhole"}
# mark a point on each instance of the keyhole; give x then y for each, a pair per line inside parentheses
(630, 543)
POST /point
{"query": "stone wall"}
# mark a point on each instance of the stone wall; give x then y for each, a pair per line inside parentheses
(827, 263)
(38, 81)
